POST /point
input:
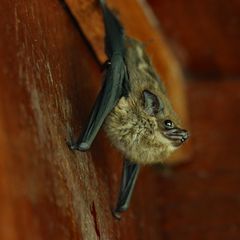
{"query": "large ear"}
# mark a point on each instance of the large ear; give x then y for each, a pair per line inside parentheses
(152, 104)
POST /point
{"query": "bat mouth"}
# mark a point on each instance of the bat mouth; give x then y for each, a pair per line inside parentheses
(176, 135)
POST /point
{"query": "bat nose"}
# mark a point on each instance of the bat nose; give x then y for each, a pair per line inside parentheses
(177, 134)
(184, 134)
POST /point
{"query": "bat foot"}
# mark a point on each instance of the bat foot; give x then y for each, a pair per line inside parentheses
(72, 146)
(116, 214)
(83, 146)
(118, 211)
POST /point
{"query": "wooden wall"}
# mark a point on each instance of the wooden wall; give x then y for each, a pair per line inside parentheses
(204, 34)
(49, 78)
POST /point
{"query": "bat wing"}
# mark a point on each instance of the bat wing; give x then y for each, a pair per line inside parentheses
(116, 82)
(129, 177)
(114, 37)
(112, 89)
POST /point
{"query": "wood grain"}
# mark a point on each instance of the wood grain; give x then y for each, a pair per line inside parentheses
(46, 72)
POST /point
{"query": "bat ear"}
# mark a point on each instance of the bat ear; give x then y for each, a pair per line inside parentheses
(151, 102)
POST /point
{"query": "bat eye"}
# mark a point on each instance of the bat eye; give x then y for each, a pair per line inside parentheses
(151, 102)
(168, 124)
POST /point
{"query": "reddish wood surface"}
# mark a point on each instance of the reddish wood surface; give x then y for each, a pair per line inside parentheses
(205, 34)
(201, 200)
(48, 82)
(47, 73)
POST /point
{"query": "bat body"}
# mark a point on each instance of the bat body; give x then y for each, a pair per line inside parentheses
(133, 107)
(136, 126)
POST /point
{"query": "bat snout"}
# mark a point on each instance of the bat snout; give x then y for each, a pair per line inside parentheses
(177, 135)
(184, 134)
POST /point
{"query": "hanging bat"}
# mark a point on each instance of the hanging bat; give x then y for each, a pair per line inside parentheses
(133, 107)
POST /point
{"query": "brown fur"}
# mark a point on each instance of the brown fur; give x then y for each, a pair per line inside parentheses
(133, 131)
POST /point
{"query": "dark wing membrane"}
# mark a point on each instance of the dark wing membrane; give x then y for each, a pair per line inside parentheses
(116, 82)
(129, 177)
(107, 99)
(114, 37)
(114, 41)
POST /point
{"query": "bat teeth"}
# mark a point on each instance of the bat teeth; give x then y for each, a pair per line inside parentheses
(185, 135)
(177, 134)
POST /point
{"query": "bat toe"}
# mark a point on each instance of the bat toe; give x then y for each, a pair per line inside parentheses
(116, 214)
(83, 146)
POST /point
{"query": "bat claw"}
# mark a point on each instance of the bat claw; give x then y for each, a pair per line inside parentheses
(83, 146)
(116, 214)
(72, 146)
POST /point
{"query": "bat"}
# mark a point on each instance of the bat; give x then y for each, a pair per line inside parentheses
(133, 107)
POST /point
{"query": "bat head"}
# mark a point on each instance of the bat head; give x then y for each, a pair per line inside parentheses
(144, 125)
